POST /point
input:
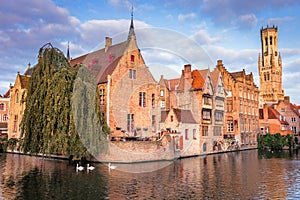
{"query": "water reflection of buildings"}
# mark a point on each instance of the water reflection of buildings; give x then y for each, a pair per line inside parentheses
(234, 175)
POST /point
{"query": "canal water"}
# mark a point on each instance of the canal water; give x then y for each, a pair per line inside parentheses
(236, 175)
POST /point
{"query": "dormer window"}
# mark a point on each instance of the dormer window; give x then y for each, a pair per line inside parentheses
(132, 58)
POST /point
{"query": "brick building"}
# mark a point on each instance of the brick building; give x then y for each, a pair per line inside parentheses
(17, 103)
(241, 115)
(130, 98)
(270, 67)
(4, 113)
(203, 93)
(183, 128)
(271, 121)
(218, 107)
(290, 113)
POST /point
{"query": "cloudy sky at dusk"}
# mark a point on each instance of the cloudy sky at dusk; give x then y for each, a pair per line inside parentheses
(220, 29)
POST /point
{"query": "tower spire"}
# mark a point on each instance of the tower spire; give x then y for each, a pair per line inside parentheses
(131, 28)
(68, 53)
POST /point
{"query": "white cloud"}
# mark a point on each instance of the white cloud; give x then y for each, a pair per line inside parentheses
(120, 3)
(189, 16)
(203, 38)
(279, 21)
(248, 20)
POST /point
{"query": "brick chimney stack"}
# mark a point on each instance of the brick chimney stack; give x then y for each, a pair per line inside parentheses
(187, 71)
(108, 42)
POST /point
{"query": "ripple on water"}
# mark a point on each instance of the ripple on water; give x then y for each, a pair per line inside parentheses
(237, 175)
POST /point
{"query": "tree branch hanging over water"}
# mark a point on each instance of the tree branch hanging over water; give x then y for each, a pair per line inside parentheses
(48, 121)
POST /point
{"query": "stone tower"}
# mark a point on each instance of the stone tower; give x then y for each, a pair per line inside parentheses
(270, 66)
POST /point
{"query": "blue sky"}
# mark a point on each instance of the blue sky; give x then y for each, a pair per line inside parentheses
(220, 29)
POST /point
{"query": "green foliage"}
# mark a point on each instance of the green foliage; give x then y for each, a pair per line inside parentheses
(53, 110)
(12, 143)
(89, 122)
(275, 141)
(47, 118)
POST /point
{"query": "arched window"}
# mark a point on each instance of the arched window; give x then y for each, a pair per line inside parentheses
(2, 106)
(266, 41)
(132, 58)
(17, 96)
(161, 93)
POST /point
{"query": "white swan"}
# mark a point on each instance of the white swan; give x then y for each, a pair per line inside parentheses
(90, 167)
(79, 168)
(111, 166)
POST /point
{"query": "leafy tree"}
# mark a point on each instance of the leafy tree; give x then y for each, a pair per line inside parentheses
(275, 141)
(48, 121)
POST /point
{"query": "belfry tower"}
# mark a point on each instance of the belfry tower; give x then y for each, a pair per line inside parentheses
(270, 67)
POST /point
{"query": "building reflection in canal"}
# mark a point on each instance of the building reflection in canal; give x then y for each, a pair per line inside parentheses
(236, 175)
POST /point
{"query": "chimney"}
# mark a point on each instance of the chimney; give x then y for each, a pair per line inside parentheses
(219, 63)
(187, 71)
(287, 99)
(108, 42)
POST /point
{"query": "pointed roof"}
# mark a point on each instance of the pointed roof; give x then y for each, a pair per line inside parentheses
(7, 94)
(131, 28)
(215, 77)
(294, 108)
(272, 114)
(171, 83)
(104, 61)
(24, 80)
(29, 70)
(204, 72)
(183, 116)
(68, 52)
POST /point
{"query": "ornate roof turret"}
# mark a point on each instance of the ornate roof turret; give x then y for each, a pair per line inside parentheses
(131, 28)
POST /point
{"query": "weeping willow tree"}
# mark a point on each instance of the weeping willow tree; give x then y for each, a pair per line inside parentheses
(89, 121)
(48, 121)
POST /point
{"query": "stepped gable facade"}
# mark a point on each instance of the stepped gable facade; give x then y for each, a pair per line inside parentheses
(242, 105)
(18, 94)
(130, 98)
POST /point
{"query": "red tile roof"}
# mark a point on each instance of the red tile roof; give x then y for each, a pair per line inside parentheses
(295, 108)
(204, 73)
(198, 81)
(215, 77)
(274, 114)
(172, 83)
(7, 94)
(102, 62)
(184, 116)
